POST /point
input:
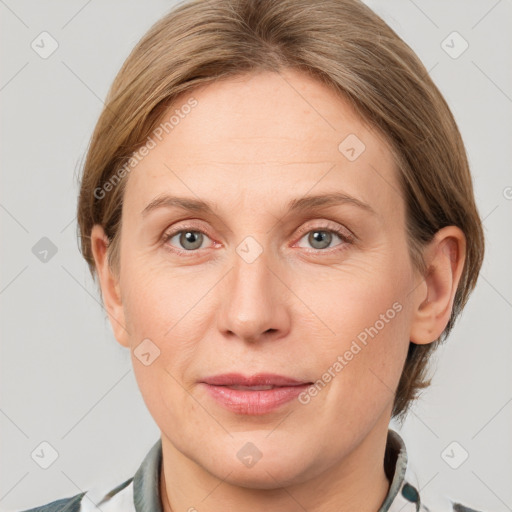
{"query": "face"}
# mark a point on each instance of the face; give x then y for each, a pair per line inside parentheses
(266, 280)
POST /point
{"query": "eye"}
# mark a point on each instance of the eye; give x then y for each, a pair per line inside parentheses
(321, 238)
(187, 240)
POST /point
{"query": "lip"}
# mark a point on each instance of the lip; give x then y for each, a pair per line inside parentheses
(255, 402)
(260, 379)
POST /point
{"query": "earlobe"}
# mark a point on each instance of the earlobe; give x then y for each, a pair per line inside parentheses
(109, 283)
(433, 298)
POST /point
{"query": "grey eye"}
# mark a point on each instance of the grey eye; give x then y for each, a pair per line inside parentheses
(190, 240)
(320, 239)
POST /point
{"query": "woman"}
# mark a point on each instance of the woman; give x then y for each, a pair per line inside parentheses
(278, 207)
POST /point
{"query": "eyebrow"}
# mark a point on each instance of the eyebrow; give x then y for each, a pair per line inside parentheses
(298, 204)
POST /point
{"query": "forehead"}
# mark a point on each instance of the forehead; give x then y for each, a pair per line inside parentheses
(252, 135)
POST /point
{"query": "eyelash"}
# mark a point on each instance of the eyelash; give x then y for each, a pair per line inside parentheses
(347, 239)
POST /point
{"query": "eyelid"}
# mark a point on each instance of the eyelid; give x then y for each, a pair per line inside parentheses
(343, 232)
(170, 233)
(189, 225)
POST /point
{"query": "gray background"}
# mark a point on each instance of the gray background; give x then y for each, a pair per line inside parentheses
(64, 378)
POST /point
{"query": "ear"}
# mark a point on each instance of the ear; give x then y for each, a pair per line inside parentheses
(433, 299)
(110, 289)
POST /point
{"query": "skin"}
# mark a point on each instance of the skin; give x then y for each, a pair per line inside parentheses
(252, 144)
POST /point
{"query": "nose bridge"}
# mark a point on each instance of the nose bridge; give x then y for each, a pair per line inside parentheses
(252, 304)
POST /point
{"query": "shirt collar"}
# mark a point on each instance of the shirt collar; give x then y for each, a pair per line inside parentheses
(402, 495)
(146, 481)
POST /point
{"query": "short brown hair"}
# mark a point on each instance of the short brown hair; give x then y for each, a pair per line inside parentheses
(349, 48)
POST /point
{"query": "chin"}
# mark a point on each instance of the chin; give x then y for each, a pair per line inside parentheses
(275, 478)
(277, 468)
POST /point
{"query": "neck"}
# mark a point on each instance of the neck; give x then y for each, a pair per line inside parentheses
(356, 482)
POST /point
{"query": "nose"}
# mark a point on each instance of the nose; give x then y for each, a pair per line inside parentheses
(254, 304)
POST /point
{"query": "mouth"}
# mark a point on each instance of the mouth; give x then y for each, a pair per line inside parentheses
(260, 379)
(252, 388)
(253, 395)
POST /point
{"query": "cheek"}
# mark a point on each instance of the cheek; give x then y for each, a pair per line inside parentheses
(163, 345)
(168, 316)
(364, 292)
(365, 315)
(156, 299)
